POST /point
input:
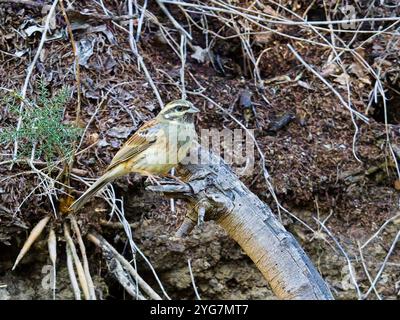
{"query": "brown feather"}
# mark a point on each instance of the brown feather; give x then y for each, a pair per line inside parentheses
(109, 176)
(136, 144)
(145, 150)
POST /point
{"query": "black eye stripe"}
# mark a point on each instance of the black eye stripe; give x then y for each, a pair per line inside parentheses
(178, 108)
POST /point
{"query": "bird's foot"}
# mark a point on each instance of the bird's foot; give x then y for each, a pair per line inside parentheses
(175, 178)
(153, 179)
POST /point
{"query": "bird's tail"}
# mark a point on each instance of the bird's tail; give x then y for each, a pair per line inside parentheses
(95, 187)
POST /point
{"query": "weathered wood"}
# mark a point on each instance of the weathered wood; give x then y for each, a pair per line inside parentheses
(213, 186)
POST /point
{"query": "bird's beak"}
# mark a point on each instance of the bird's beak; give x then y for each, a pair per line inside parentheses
(193, 109)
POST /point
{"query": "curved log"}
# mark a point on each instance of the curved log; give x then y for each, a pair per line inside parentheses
(211, 185)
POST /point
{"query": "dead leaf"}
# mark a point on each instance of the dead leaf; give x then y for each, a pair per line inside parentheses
(278, 80)
(121, 132)
(52, 21)
(264, 37)
(342, 79)
(357, 69)
(85, 51)
(269, 10)
(245, 99)
(43, 54)
(103, 28)
(150, 106)
(304, 85)
(103, 143)
(79, 26)
(360, 72)
(115, 144)
(329, 69)
(200, 54)
(20, 53)
(80, 172)
(32, 29)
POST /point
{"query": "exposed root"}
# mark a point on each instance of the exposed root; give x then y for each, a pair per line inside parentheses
(52, 245)
(120, 274)
(108, 248)
(79, 268)
(35, 233)
(72, 275)
(82, 248)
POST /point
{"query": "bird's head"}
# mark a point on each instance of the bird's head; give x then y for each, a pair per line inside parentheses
(178, 110)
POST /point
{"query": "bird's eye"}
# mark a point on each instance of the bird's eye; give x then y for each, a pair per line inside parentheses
(179, 109)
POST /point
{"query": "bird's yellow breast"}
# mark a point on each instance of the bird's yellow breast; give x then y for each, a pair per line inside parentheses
(170, 148)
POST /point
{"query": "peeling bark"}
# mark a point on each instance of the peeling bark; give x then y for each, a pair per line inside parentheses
(213, 186)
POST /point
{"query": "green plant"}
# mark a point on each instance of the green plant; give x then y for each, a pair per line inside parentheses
(41, 128)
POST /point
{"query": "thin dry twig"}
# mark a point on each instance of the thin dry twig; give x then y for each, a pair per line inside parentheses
(349, 264)
(139, 58)
(384, 263)
(134, 248)
(30, 70)
(367, 272)
(173, 20)
(76, 64)
(25, 2)
(116, 225)
(336, 93)
(381, 228)
(193, 283)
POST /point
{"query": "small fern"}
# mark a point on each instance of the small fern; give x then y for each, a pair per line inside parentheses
(42, 129)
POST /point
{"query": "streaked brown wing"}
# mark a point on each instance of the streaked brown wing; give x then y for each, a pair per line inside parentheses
(143, 138)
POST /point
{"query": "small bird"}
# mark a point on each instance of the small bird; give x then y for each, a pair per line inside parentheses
(153, 150)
